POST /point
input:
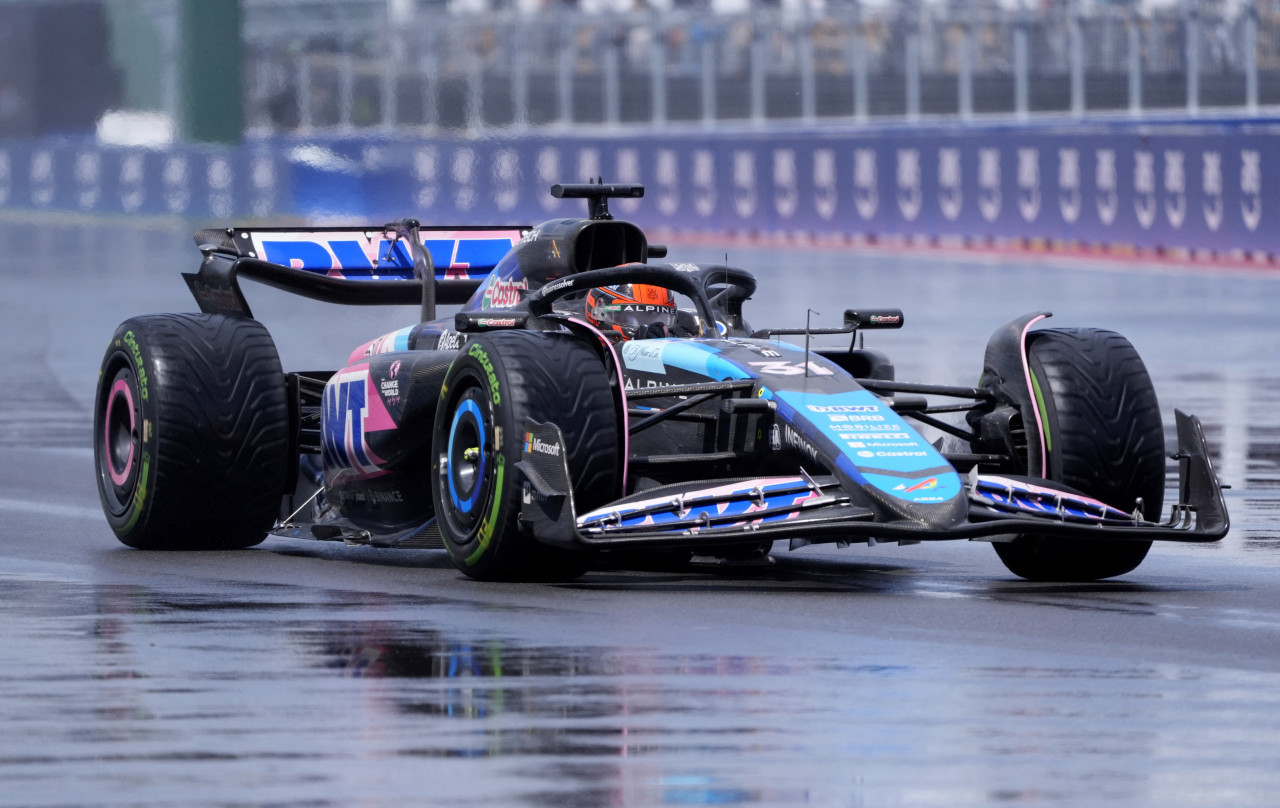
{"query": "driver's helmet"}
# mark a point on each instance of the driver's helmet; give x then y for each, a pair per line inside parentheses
(632, 310)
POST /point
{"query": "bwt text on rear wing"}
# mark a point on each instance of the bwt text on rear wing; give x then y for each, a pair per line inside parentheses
(369, 266)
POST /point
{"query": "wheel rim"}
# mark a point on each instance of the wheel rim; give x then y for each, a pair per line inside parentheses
(467, 461)
(119, 442)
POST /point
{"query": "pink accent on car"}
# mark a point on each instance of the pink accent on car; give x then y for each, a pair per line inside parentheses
(120, 390)
(1035, 403)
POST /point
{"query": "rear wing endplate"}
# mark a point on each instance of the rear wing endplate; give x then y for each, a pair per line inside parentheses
(350, 265)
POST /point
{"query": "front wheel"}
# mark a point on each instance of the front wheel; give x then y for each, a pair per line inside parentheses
(1103, 437)
(495, 389)
(191, 432)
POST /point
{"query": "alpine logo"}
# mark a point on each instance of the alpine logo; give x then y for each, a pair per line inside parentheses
(532, 443)
(924, 485)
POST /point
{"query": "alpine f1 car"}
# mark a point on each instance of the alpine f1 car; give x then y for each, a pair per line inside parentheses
(590, 398)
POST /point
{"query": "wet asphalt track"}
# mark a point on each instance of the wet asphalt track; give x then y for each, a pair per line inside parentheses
(307, 674)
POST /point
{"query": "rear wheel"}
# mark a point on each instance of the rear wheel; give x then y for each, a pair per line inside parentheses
(191, 432)
(500, 383)
(1103, 437)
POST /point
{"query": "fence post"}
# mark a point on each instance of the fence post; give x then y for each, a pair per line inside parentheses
(612, 86)
(912, 57)
(808, 94)
(520, 82)
(1134, 31)
(1251, 57)
(861, 106)
(966, 64)
(1076, 39)
(658, 75)
(1192, 57)
(1021, 79)
(564, 76)
(707, 50)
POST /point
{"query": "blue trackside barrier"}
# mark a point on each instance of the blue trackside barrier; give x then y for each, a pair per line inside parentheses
(1201, 187)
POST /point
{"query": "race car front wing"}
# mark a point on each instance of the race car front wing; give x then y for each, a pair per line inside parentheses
(814, 509)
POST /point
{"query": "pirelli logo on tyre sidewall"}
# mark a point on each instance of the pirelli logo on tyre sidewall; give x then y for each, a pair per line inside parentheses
(481, 356)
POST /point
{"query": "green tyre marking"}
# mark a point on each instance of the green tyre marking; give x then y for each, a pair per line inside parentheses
(486, 527)
(139, 495)
(1044, 414)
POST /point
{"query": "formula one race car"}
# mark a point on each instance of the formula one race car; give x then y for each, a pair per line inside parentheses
(590, 399)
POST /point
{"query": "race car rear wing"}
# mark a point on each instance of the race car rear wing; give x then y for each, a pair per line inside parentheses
(350, 265)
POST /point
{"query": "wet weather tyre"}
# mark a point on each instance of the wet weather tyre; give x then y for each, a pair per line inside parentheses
(1103, 437)
(191, 432)
(502, 381)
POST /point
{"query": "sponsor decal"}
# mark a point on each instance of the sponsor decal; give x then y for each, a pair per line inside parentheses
(548, 169)
(219, 298)
(866, 194)
(350, 412)
(786, 196)
(1211, 184)
(479, 354)
(426, 176)
(795, 440)
(348, 497)
(843, 408)
(642, 384)
(667, 176)
(502, 293)
(175, 177)
(1144, 188)
(450, 341)
(533, 443)
(140, 368)
(462, 170)
(950, 183)
(1105, 179)
(704, 182)
(885, 319)
(262, 180)
(685, 267)
(910, 195)
(1069, 184)
(132, 192)
(361, 253)
(744, 183)
(825, 180)
(989, 181)
(556, 286)
(506, 179)
(219, 177)
(1175, 188)
(1029, 184)
(43, 186)
(644, 355)
(496, 322)
(88, 172)
(1251, 187)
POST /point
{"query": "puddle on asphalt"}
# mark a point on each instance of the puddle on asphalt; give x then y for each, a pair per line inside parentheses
(285, 694)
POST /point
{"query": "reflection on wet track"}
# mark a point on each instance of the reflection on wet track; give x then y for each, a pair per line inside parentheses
(273, 695)
(296, 674)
